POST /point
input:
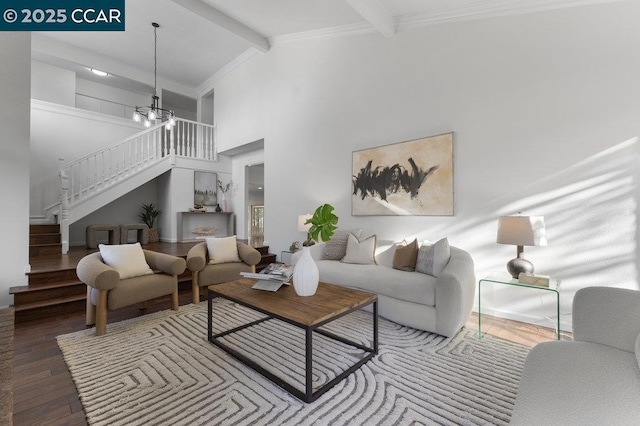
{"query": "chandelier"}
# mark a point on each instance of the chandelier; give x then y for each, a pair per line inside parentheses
(154, 112)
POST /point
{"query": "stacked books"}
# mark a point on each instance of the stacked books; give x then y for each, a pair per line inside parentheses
(272, 277)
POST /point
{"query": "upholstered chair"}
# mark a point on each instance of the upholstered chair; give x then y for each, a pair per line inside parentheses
(204, 274)
(106, 290)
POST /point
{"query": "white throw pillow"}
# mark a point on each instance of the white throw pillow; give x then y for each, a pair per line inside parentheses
(127, 259)
(432, 258)
(336, 247)
(360, 252)
(222, 250)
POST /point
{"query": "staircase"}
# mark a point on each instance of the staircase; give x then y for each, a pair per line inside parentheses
(99, 178)
(86, 185)
(49, 292)
(267, 258)
(44, 240)
(54, 288)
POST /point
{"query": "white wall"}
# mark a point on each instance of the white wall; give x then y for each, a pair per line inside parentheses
(15, 87)
(175, 191)
(122, 211)
(109, 93)
(544, 108)
(69, 133)
(53, 84)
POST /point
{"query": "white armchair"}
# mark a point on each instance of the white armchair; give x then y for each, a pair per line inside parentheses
(594, 380)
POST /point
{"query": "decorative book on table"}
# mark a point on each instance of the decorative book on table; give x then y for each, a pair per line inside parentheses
(272, 277)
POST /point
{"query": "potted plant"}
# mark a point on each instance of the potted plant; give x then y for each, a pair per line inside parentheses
(323, 223)
(305, 274)
(148, 215)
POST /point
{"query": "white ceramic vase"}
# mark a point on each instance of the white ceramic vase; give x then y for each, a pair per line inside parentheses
(305, 275)
(224, 202)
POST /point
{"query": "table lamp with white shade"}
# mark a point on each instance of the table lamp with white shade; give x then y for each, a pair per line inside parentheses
(521, 231)
(302, 227)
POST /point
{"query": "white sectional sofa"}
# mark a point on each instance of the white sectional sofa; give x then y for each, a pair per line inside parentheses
(440, 305)
(594, 380)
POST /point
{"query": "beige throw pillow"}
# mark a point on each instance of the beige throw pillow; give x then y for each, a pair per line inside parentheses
(360, 252)
(433, 258)
(336, 247)
(405, 256)
(127, 259)
(222, 250)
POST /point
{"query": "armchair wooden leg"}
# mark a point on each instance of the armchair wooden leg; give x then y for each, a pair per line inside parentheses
(101, 313)
(174, 297)
(195, 288)
(91, 309)
(253, 269)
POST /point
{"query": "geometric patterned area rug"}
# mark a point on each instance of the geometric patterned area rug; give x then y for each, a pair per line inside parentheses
(160, 369)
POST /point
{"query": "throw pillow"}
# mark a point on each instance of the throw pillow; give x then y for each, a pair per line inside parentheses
(336, 247)
(360, 252)
(222, 250)
(127, 259)
(405, 256)
(433, 258)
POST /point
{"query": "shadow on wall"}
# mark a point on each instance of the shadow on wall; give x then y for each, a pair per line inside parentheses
(590, 215)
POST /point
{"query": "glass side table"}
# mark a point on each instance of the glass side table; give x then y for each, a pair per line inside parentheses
(506, 279)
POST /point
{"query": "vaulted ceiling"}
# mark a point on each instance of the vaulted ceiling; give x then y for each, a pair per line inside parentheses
(199, 38)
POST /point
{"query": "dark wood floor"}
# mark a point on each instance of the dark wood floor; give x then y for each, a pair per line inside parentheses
(56, 262)
(44, 392)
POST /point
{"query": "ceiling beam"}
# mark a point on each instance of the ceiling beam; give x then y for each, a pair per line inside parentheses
(376, 14)
(225, 21)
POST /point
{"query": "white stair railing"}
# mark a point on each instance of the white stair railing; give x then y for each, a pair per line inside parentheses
(94, 173)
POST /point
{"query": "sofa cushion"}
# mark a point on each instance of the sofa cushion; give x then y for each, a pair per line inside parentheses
(336, 247)
(222, 250)
(432, 258)
(406, 255)
(222, 272)
(127, 259)
(407, 286)
(578, 383)
(360, 252)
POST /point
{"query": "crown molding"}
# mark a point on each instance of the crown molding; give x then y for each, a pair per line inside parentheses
(323, 33)
(486, 10)
(473, 11)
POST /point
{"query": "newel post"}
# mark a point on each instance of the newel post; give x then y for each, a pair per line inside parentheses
(172, 146)
(64, 205)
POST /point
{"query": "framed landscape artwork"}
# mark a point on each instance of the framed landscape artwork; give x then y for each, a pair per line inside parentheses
(413, 178)
(205, 186)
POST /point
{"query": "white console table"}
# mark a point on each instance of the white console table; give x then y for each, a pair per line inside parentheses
(188, 221)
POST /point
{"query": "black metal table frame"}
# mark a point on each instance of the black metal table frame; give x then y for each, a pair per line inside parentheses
(308, 395)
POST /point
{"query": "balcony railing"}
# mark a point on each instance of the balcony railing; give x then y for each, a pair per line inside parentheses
(92, 174)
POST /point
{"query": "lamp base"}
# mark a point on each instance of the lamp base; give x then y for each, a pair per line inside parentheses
(518, 265)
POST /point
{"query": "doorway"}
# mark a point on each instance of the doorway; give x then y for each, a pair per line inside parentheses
(254, 191)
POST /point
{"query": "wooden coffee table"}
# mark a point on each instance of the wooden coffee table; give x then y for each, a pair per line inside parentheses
(308, 313)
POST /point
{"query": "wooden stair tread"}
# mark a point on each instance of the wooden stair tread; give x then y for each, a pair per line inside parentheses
(50, 302)
(40, 287)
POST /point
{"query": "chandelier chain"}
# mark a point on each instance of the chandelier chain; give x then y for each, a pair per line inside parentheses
(154, 111)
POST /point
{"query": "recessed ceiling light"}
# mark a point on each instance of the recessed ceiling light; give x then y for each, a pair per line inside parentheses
(100, 73)
(259, 187)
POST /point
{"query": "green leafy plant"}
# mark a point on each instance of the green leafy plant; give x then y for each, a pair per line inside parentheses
(149, 214)
(323, 223)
